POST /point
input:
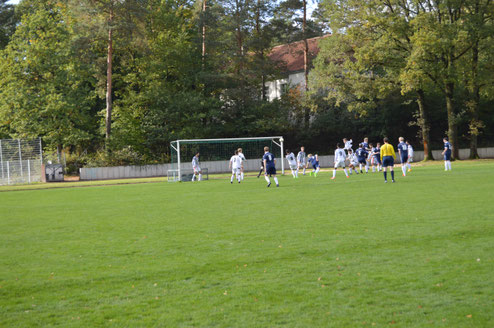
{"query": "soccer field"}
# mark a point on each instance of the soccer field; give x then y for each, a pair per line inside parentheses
(313, 253)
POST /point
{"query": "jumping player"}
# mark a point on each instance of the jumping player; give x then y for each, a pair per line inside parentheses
(362, 158)
(236, 166)
(339, 160)
(242, 157)
(410, 156)
(301, 160)
(447, 154)
(314, 161)
(387, 158)
(196, 168)
(290, 157)
(365, 144)
(269, 166)
(347, 143)
(403, 151)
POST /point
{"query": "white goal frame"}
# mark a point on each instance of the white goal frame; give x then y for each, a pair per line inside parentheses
(277, 140)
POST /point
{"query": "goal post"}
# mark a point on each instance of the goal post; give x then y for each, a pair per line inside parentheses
(215, 153)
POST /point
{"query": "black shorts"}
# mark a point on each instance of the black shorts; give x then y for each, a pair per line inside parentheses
(388, 161)
(447, 156)
(404, 159)
(377, 160)
(271, 170)
(362, 161)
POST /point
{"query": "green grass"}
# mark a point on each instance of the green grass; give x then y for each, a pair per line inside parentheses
(313, 253)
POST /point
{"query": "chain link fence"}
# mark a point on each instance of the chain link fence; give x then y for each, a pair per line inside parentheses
(20, 161)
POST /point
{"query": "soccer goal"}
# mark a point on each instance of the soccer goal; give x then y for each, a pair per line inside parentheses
(215, 154)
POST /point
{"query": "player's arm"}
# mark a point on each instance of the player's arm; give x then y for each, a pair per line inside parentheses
(264, 165)
(230, 164)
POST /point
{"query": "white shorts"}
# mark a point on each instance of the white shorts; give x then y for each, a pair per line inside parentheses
(354, 163)
(293, 166)
(339, 164)
(302, 164)
(236, 170)
(197, 169)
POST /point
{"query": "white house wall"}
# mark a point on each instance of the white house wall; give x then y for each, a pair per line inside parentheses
(275, 88)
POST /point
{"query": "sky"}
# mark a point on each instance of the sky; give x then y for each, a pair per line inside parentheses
(13, 2)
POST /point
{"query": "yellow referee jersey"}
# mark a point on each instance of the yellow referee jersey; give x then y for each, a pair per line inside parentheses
(387, 150)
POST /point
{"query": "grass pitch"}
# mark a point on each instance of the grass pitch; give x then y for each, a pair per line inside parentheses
(313, 253)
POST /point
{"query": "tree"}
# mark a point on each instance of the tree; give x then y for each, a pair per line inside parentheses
(8, 21)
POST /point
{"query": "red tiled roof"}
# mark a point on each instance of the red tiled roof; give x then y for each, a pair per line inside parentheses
(291, 55)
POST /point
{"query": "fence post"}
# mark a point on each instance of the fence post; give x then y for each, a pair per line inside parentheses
(29, 171)
(20, 156)
(8, 173)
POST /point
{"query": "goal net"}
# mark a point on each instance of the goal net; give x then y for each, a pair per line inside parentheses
(214, 154)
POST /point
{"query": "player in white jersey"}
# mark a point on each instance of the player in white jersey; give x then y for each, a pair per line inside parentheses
(292, 162)
(242, 157)
(348, 143)
(410, 156)
(196, 168)
(339, 160)
(352, 158)
(236, 166)
(302, 160)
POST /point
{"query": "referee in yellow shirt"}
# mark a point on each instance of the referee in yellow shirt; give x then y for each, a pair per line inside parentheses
(388, 159)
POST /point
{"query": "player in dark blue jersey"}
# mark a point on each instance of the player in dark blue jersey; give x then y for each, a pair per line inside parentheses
(403, 151)
(314, 161)
(447, 154)
(269, 166)
(365, 144)
(362, 158)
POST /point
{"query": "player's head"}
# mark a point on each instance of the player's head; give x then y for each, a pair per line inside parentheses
(239, 150)
(197, 154)
(310, 155)
(401, 139)
(287, 152)
(378, 144)
(266, 149)
(302, 148)
(350, 151)
(338, 144)
(366, 139)
(371, 145)
(344, 140)
(361, 145)
(386, 140)
(407, 142)
(445, 139)
(236, 152)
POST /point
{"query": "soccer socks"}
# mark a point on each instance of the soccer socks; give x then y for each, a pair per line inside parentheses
(317, 170)
(231, 180)
(304, 170)
(293, 173)
(393, 175)
(200, 177)
(242, 175)
(373, 169)
(367, 169)
(334, 173)
(409, 166)
(267, 179)
(445, 165)
(193, 177)
(344, 170)
(448, 163)
(276, 181)
(404, 170)
(385, 176)
(360, 165)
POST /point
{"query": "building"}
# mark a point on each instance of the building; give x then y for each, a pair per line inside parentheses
(291, 57)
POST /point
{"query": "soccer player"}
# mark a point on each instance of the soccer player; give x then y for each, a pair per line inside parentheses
(269, 166)
(377, 156)
(352, 158)
(447, 154)
(387, 158)
(365, 144)
(301, 160)
(403, 151)
(262, 168)
(348, 143)
(314, 161)
(236, 166)
(362, 158)
(410, 156)
(196, 168)
(339, 160)
(290, 157)
(242, 157)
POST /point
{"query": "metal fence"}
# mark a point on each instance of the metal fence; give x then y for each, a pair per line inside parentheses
(20, 161)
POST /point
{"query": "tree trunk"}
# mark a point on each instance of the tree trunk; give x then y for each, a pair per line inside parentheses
(203, 32)
(109, 103)
(261, 50)
(424, 125)
(475, 124)
(452, 128)
(306, 63)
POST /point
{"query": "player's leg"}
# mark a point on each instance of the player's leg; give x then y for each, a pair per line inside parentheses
(304, 166)
(391, 168)
(200, 175)
(241, 174)
(344, 170)
(194, 175)
(267, 179)
(318, 168)
(276, 180)
(334, 171)
(233, 174)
